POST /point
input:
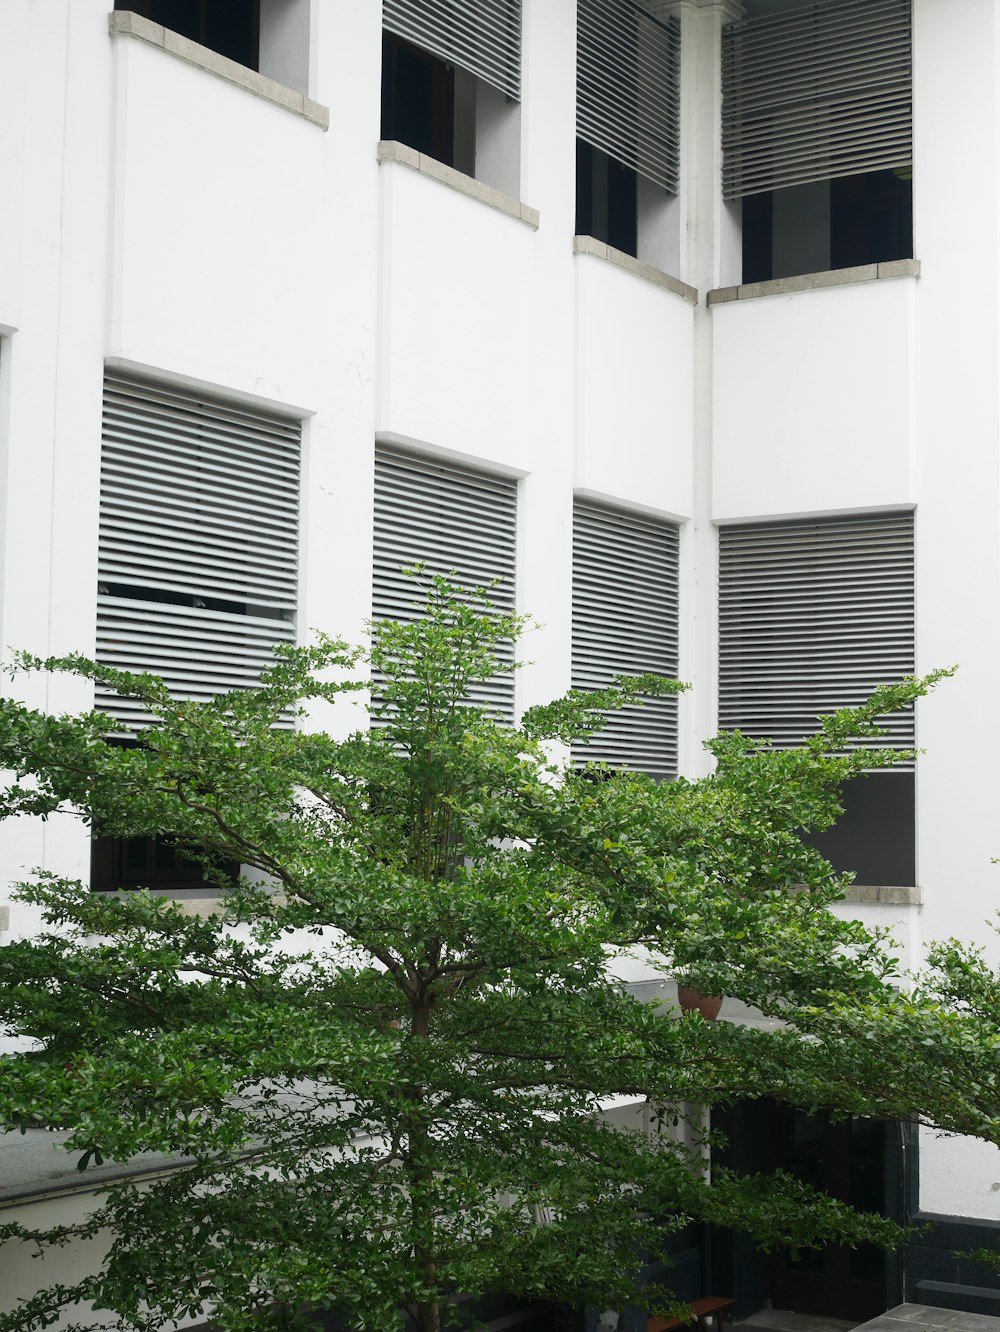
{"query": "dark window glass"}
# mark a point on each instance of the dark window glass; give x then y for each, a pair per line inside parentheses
(418, 99)
(871, 219)
(118, 863)
(876, 835)
(606, 199)
(757, 238)
(866, 219)
(230, 27)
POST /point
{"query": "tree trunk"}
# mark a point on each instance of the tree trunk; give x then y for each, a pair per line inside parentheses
(420, 1169)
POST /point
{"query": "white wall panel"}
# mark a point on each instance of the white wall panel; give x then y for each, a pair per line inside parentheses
(634, 393)
(813, 401)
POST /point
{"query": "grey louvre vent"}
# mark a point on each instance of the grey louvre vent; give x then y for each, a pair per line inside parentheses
(482, 37)
(457, 521)
(198, 549)
(815, 93)
(812, 616)
(625, 573)
(627, 87)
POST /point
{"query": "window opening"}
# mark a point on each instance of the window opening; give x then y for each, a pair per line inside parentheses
(812, 616)
(817, 144)
(451, 85)
(628, 116)
(625, 622)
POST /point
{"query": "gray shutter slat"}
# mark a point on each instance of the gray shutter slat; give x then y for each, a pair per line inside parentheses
(816, 93)
(482, 37)
(628, 87)
(199, 504)
(812, 616)
(625, 622)
(457, 521)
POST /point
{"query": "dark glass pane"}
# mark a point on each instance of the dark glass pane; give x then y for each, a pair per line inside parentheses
(876, 834)
(606, 199)
(164, 855)
(871, 218)
(867, 1263)
(757, 232)
(135, 856)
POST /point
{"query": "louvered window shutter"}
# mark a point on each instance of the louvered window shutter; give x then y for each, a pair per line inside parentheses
(813, 615)
(627, 87)
(457, 521)
(625, 594)
(482, 37)
(198, 545)
(815, 93)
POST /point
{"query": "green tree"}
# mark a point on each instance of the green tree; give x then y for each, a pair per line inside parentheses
(379, 1065)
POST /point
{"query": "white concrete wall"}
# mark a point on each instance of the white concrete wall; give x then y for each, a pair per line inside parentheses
(813, 401)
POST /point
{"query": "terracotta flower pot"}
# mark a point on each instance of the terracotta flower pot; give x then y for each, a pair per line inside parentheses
(692, 1000)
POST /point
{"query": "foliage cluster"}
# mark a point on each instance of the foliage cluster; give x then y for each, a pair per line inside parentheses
(382, 1064)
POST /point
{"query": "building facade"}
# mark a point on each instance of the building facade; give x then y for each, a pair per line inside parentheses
(679, 316)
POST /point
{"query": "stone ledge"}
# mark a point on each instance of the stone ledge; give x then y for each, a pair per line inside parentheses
(599, 250)
(125, 23)
(389, 150)
(836, 277)
(864, 894)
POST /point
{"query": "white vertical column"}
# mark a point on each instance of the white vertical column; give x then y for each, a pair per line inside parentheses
(62, 60)
(548, 169)
(709, 248)
(338, 484)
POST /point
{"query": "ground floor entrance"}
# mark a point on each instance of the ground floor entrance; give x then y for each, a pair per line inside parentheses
(855, 1160)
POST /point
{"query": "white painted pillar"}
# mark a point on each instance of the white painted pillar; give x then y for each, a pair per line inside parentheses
(709, 249)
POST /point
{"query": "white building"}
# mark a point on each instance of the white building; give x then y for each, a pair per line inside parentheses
(606, 296)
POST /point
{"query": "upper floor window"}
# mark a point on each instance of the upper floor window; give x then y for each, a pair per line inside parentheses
(625, 622)
(198, 540)
(627, 120)
(451, 84)
(271, 36)
(456, 521)
(817, 134)
(813, 614)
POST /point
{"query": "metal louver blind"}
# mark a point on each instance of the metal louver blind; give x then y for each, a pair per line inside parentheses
(457, 521)
(816, 93)
(628, 87)
(812, 616)
(625, 608)
(482, 37)
(198, 545)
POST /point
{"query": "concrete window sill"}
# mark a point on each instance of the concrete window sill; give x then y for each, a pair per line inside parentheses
(598, 249)
(837, 277)
(864, 894)
(391, 151)
(123, 23)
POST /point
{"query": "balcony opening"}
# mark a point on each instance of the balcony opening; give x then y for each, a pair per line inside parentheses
(232, 27)
(446, 111)
(828, 224)
(270, 36)
(606, 199)
(627, 122)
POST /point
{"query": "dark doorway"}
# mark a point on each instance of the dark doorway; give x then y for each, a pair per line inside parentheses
(846, 1160)
(856, 1160)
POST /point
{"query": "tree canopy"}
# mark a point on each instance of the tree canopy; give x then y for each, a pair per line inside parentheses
(381, 1064)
